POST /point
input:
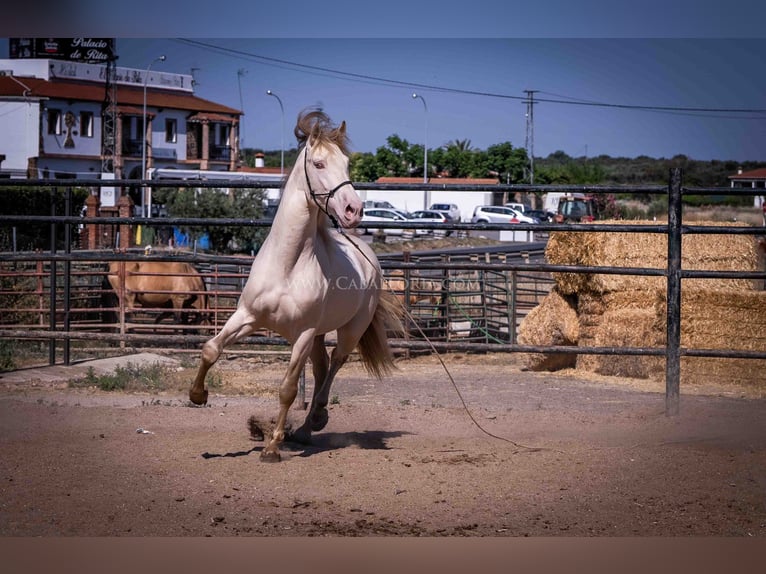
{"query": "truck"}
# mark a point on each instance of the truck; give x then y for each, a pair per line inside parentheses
(570, 207)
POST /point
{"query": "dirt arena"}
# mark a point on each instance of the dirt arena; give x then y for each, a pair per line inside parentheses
(399, 457)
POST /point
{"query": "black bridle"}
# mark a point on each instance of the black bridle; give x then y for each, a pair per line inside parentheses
(329, 195)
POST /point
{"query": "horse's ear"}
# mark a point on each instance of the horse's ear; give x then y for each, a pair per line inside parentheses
(342, 129)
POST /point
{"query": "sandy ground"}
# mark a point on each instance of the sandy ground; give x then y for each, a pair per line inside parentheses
(556, 455)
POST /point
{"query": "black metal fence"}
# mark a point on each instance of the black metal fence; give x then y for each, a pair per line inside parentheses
(462, 300)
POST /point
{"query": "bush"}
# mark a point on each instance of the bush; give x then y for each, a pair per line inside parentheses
(6, 355)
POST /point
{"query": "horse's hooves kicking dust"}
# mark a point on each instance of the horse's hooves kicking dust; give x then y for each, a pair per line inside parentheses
(270, 456)
(256, 432)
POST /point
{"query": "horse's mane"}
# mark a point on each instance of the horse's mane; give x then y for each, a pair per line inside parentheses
(316, 125)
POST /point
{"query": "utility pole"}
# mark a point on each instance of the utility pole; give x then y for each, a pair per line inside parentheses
(529, 143)
(241, 72)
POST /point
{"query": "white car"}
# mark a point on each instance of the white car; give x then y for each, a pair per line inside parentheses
(499, 214)
(449, 209)
(386, 215)
(520, 207)
(429, 216)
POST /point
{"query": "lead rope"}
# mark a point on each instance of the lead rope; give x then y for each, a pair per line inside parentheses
(408, 315)
(443, 364)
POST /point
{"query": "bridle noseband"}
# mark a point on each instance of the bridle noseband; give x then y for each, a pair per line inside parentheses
(329, 195)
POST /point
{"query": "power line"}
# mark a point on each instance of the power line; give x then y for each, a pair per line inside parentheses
(277, 62)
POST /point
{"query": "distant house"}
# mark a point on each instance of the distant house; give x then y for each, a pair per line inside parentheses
(54, 120)
(753, 179)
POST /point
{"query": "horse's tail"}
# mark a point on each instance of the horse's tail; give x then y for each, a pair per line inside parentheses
(373, 346)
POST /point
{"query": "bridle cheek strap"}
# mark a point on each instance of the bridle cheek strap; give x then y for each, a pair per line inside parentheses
(329, 194)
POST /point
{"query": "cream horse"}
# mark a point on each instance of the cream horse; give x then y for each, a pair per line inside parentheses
(309, 279)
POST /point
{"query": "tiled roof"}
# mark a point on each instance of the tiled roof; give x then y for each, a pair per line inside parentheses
(752, 174)
(201, 116)
(94, 92)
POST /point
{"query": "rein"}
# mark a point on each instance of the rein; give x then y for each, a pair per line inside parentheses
(441, 361)
(341, 231)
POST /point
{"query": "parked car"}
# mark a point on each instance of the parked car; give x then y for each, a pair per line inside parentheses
(386, 215)
(520, 207)
(541, 214)
(449, 209)
(371, 203)
(499, 214)
(429, 216)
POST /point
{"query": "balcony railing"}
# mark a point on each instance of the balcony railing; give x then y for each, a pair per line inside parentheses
(220, 152)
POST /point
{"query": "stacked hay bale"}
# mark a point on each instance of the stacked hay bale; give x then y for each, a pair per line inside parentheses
(552, 322)
(717, 319)
(629, 310)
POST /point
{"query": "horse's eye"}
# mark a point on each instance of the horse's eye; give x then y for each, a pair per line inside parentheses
(319, 164)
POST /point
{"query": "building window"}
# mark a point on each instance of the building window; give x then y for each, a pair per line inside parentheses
(86, 124)
(54, 122)
(224, 130)
(171, 130)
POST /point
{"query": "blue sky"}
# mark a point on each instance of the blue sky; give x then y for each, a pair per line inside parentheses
(472, 67)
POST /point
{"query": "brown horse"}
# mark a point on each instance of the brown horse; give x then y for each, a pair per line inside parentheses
(160, 284)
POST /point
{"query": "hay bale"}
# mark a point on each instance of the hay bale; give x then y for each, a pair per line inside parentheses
(719, 319)
(649, 251)
(619, 319)
(553, 322)
(624, 328)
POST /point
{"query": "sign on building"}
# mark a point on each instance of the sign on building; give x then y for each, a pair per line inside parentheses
(92, 50)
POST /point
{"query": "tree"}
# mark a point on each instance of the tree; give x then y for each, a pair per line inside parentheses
(215, 204)
(507, 162)
(396, 157)
(457, 159)
(364, 167)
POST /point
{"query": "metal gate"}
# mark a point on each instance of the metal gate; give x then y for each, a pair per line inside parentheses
(460, 301)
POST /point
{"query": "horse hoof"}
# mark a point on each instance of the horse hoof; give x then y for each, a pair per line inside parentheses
(270, 456)
(198, 398)
(319, 419)
(301, 436)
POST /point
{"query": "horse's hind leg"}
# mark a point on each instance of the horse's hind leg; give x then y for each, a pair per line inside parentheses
(317, 417)
(287, 393)
(239, 325)
(320, 366)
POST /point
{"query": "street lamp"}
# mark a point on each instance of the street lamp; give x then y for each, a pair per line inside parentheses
(425, 149)
(281, 107)
(143, 142)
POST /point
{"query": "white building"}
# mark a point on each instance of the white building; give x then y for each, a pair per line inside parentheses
(52, 118)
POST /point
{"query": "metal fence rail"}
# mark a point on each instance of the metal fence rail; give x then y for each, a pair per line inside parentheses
(462, 301)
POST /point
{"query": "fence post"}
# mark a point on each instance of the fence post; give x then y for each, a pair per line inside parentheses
(673, 344)
(67, 274)
(92, 231)
(52, 286)
(125, 207)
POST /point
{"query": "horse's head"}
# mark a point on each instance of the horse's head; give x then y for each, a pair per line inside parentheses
(325, 164)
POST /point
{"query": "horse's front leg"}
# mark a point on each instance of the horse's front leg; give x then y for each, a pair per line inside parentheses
(239, 325)
(287, 393)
